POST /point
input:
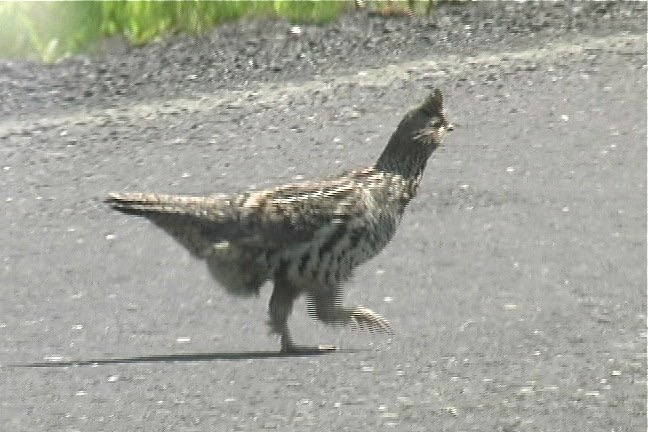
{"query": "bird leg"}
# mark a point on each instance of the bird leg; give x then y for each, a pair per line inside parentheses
(281, 303)
(325, 305)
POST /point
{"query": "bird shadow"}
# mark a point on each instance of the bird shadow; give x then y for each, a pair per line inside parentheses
(184, 358)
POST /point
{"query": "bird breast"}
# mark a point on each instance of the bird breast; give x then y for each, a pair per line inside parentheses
(335, 250)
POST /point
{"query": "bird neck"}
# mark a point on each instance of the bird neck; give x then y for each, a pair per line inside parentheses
(407, 160)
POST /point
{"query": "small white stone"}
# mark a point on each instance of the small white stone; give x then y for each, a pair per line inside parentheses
(224, 245)
(452, 410)
(405, 401)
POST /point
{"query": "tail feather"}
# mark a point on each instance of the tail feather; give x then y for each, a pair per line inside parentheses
(147, 204)
(195, 222)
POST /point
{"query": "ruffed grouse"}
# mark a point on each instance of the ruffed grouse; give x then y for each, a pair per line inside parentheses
(305, 237)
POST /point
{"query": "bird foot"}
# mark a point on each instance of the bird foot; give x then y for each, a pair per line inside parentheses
(364, 318)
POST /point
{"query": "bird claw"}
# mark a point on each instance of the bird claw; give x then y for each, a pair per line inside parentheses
(364, 318)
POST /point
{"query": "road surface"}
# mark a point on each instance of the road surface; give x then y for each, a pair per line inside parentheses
(516, 285)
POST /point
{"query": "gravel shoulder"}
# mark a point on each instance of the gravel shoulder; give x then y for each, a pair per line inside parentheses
(516, 285)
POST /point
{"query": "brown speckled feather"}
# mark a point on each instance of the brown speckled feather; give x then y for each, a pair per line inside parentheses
(306, 237)
(274, 218)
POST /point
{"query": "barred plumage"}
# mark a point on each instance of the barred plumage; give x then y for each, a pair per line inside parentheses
(305, 237)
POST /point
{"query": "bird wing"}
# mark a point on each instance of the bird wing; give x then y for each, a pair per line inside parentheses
(270, 219)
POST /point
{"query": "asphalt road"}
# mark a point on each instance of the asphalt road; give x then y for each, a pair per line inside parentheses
(516, 285)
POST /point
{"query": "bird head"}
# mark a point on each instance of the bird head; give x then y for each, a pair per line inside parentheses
(421, 130)
(418, 134)
(428, 122)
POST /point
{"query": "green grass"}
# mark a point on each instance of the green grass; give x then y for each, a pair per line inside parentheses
(53, 30)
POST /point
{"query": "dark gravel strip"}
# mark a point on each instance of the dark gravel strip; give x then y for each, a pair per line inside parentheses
(236, 55)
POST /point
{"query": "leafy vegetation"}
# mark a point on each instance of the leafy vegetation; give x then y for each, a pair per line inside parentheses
(52, 30)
